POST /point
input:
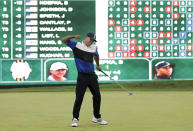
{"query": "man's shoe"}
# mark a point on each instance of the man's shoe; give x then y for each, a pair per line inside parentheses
(99, 120)
(74, 122)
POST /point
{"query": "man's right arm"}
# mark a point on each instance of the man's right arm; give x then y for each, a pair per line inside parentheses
(67, 38)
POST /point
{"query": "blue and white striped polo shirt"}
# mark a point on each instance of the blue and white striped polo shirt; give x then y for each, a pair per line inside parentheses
(83, 56)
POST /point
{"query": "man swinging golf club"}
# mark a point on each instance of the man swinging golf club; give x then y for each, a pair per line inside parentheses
(84, 52)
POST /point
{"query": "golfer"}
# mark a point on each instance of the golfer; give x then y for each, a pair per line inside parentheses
(84, 53)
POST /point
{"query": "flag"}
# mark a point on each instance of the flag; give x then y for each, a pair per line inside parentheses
(31, 22)
(31, 29)
(31, 49)
(31, 55)
(31, 42)
(31, 35)
(31, 2)
(31, 15)
(31, 9)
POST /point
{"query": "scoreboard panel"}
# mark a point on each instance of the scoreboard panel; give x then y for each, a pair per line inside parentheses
(159, 31)
(150, 28)
(32, 29)
(31, 32)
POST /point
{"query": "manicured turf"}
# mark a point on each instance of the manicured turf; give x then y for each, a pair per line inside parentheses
(185, 85)
(52, 111)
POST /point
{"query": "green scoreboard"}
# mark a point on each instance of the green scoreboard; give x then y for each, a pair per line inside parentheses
(31, 32)
(138, 40)
(158, 31)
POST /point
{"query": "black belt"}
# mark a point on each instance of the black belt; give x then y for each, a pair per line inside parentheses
(87, 74)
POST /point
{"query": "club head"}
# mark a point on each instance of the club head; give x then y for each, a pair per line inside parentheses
(130, 94)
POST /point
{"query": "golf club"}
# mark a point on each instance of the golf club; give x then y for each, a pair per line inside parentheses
(130, 93)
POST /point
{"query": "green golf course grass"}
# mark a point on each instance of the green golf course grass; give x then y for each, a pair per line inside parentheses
(50, 108)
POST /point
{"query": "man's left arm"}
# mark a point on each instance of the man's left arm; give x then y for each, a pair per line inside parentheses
(96, 58)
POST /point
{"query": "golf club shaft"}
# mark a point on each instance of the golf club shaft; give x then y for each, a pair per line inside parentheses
(115, 81)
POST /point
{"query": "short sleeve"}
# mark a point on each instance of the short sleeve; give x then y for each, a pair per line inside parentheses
(71, 44)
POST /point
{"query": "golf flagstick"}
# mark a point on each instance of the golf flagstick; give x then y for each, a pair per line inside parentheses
(130, 93)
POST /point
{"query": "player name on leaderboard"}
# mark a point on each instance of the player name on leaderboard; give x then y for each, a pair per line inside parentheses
(150, 28)
(32, 29)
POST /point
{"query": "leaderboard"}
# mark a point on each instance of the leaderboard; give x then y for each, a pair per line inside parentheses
(150, 28)
(32, 29)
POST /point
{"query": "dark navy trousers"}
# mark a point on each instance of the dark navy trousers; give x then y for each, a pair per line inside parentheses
(84, 81)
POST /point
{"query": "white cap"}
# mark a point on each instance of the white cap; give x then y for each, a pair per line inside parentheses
(58, 65)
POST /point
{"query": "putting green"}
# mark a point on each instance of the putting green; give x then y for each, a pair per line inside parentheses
(52, 111)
